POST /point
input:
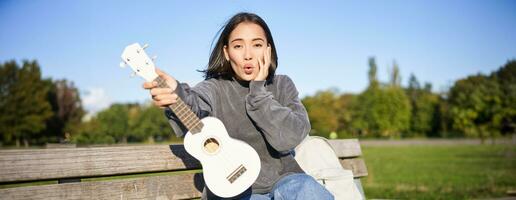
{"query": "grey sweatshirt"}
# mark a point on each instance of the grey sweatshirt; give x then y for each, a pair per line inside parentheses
(269, 117)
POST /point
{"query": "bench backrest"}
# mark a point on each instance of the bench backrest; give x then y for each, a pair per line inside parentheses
(159, 172)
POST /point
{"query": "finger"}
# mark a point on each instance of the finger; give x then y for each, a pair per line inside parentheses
(159, 91)
(148, 85)
(163, 74)
(159, 72)
(268, 57)
(161, 104)
(166, 102)
(264, 59)
(165, 96)
(174, 96)
(260, 64)
(170, 81)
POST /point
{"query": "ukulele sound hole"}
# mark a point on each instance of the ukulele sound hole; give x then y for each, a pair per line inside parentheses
(211, 145)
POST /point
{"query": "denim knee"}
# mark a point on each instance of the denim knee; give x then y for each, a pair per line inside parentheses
(300, 186)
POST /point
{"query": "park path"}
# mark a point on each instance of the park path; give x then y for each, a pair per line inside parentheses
(410, 142)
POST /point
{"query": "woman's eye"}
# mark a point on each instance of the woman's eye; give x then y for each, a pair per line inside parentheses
(258, 45)
(237, 46)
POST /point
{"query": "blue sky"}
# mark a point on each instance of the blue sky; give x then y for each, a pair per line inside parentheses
(321, 44)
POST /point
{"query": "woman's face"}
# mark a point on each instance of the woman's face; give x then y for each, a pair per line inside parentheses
(246, 44)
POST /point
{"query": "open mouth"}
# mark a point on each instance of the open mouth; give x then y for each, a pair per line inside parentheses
(248, 69)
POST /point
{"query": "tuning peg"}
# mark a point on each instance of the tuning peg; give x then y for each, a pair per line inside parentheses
(133, 74)
(154, 58)
(145, 46)
(122, 64)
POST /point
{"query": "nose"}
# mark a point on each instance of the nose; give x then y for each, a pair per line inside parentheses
(247, 54)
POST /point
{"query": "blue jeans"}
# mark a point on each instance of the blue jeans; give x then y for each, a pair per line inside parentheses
(298, 186)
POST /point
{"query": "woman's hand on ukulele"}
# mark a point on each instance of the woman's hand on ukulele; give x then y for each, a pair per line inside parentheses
(162, 97)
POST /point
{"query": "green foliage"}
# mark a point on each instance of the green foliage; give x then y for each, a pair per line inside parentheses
(424, 103)
(393, 113)
(481, 106)
(395, 75)
(90, 133)
(345, 105)
(123, 123)
(363, 117)
(23, 102)
(382, 110)
(373, 80)
(67, 110)
(475, 103)
(423, 118)
(506, 78)
(151, 124)
(323, 112)
(114, 121)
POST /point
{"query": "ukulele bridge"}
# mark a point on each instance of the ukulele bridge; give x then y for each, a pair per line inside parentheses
(236, 173)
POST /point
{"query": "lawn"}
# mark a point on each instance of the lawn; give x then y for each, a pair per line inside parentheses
(440, 171)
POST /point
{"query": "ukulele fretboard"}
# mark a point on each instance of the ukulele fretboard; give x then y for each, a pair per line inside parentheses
(183, 111)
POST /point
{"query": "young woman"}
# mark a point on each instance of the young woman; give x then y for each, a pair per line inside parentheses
(255, 105)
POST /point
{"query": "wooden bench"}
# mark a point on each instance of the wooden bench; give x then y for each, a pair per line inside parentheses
(157, 172)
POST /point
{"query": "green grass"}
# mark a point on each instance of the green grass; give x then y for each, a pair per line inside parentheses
(440, 172)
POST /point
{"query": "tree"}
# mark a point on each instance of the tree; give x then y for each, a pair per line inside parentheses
(381, 111)
(67, 108)
(89, 132)
(424, 106)
(392, 112)
(475, 106)
(506, 78)
(373, 80)
(23, 102)
(363, 109)
(345, 103)
(323, 112)
(114, 121)
(395, 75)
(151, 125)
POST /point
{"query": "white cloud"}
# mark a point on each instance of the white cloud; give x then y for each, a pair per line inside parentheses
(95, 100)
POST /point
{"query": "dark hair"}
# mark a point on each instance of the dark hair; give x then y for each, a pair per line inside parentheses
(218, 66)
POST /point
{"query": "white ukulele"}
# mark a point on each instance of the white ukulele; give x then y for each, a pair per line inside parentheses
(230, 166)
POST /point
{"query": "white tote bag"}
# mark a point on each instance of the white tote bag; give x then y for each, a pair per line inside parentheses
(316, 157)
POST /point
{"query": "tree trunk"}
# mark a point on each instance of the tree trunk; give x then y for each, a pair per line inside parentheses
(480, 132)
(25, 142)
(150, 139)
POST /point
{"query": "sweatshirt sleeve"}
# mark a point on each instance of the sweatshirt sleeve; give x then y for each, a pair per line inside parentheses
(197, 98)
(284, 124)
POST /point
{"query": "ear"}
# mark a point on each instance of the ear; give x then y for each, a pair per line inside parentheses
(226, 54)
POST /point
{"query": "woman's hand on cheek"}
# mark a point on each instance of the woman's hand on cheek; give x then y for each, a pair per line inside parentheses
(264, 65)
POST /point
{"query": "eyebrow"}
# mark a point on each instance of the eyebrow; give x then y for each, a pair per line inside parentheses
(239, 39)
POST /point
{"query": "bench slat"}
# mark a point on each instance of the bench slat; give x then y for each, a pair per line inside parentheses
(51, 164)
(346, 148)
(157, 187)
(357, 165)
(43, 164)
(184, 186)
